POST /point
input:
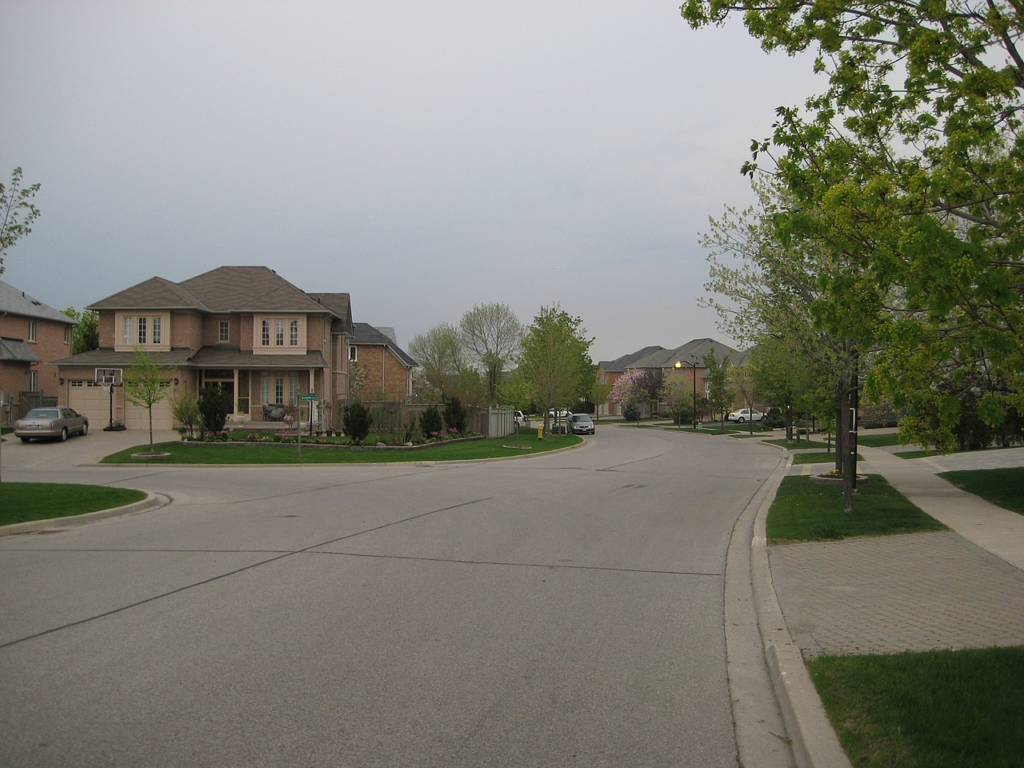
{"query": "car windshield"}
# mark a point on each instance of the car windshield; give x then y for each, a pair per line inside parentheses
(42, 413)
(581, 417)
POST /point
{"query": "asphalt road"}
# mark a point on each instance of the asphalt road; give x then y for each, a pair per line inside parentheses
(561, 610)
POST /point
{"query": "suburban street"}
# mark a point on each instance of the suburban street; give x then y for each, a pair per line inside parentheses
(559, 610)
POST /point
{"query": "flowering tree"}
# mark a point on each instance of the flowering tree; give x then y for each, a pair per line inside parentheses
(630, 389)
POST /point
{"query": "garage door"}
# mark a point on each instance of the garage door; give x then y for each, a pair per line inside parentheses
(137, 416)
(88, 397)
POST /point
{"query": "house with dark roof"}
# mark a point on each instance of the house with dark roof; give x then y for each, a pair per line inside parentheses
(31, 334)
(245, 329)
(388, 369)
(686, 361)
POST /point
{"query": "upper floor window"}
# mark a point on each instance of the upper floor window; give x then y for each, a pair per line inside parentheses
(281, 334)
(141, 330)
(224, 331)
(353, 357)
(66, 334)
(32, 331)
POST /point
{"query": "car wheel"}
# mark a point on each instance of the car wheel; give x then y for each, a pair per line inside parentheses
(85, 430)
(740, 419)
(64, 434)
(25, 439)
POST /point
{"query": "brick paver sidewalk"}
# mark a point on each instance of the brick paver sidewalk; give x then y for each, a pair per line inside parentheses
(922, 591)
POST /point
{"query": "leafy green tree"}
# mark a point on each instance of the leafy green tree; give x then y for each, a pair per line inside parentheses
(86, 335)
(599, 392)
(514, 391)
(146, 384)
(556, 357)
(676, 392)
(719, 394)
(455, 416)
(742, 382)
(492, 335)
(17, 212)
(911, 163)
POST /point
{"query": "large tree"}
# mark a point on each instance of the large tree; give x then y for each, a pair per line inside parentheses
(440, 353)
(86, 335)
(911, 164)
(492, 335)
(556, 359)
(17, 212)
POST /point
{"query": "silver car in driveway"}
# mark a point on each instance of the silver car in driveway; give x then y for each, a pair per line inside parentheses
(55, 422)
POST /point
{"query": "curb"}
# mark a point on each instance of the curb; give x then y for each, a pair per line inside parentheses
(814, 741)
(152, 501)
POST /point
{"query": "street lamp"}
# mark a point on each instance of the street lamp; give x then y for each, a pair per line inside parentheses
(692, 365)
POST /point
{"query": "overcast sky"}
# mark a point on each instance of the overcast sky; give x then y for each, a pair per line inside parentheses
(423, 157)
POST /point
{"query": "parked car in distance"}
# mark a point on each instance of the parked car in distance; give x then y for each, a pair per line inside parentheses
(521, 420)
(51, 422)
(581, 424)
(745, 414)
(559, 413)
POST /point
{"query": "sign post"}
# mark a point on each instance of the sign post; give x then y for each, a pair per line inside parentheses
(309, 399)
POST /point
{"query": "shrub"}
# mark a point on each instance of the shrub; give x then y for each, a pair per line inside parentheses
(356, 420)
(430, 421)
(213, 409)
(631, 412)
(411, 430)
(185, 409)
(455, 415)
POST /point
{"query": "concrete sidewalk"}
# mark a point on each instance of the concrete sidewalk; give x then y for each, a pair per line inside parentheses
(916, 592)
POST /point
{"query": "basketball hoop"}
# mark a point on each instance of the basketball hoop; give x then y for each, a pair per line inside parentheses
(106, 386)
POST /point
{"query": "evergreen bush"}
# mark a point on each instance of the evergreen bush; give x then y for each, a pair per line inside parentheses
(356, 420)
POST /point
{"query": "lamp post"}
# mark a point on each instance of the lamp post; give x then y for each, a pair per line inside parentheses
(692, 365)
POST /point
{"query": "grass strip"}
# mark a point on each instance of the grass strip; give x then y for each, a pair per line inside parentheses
(288, 453)
(1002, 487)
(798, 445)
(878, 441)
(23, 502)
(807, 511)
(941, 709)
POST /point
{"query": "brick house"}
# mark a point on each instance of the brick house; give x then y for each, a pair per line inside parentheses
(388, 368)
(31, 335)
(245, 329)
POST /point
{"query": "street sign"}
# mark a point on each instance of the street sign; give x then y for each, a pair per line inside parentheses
(310, 398)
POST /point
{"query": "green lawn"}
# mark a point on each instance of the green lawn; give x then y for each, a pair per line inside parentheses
(1003, 487)
(944, 709)
(806, 511)
(288, 453)
(22, 502)
(878, 441)
(799, 445)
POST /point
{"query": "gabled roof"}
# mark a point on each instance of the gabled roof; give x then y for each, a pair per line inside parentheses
(155, 293)
(627, 361)
(248, 289)
(691, 351)
(16, 302)
(16, 351)
(364, 334)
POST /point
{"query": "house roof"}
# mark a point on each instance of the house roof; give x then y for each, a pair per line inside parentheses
(16, 302)
(338, 303)
(232, 357)
(108, 358)
(364, 334)
(224, 289)
(627, 361)
(208, 357)
(16, 351)
(694, 350)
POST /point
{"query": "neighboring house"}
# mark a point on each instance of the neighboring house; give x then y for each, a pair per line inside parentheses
(31, 335)
(388, 368)
(245, 329)
(686, 361)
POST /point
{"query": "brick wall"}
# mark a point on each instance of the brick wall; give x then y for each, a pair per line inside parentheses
(52, 342)
(385, 373)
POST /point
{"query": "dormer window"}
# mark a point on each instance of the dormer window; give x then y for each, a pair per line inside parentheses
(279, 335)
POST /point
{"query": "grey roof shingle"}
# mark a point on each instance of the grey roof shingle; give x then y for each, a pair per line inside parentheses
(232, 357)
(155, 293)
(16, 351)
(366, 334)
(108, 358)
(16, 302)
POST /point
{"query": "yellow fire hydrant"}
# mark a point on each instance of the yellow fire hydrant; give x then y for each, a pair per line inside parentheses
(540, 431)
